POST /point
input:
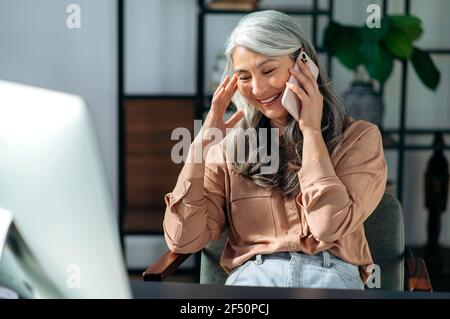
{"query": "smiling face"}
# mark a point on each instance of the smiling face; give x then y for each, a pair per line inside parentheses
(262, 80)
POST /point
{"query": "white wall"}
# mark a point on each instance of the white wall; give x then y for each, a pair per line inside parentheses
(37, 48)
(160, 46)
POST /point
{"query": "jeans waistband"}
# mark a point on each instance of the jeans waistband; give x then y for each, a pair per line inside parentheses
(323, 255)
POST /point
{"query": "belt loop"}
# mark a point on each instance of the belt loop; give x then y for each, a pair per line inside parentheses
(326, 259)
(259, 260)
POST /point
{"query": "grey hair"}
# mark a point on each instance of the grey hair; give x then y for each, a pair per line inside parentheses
(272, 33)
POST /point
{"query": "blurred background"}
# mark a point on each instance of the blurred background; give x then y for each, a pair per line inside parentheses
(146, 67)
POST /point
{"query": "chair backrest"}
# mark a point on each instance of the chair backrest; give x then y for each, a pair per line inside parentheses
(384, 231)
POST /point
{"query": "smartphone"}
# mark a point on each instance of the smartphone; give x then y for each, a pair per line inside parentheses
(290, 100)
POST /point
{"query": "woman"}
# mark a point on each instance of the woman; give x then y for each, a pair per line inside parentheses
(301, 226)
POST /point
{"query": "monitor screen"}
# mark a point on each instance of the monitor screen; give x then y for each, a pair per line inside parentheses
(64, 239)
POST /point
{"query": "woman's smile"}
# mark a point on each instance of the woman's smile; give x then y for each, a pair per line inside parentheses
(271, 100)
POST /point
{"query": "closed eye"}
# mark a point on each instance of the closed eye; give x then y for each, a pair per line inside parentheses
(247, 78)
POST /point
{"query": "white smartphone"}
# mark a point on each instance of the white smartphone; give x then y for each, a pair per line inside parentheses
(290, 100)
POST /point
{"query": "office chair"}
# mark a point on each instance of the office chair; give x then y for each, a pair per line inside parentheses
(384, 232)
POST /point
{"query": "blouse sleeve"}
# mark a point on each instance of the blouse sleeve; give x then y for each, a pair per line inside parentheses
(338, 200)
(195, 209)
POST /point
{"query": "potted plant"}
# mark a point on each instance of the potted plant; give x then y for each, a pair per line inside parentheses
(370, 53)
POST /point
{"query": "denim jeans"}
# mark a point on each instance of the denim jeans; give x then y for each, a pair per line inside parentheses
(294, 269)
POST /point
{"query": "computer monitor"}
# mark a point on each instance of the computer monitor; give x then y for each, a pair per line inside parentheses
(64, 241)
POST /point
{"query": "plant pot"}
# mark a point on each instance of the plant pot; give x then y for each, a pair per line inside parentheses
(364, 103)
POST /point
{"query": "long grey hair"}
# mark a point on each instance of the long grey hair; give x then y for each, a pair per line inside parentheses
(273, 33)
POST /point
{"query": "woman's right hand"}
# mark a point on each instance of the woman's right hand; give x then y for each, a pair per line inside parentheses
(220, 101)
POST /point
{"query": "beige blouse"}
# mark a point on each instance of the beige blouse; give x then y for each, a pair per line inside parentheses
(327, 214)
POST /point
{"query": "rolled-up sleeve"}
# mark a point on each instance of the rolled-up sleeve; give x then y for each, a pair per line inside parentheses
(338, 200)
(195, 209)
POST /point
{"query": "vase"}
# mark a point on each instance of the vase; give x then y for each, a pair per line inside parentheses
(364, 103)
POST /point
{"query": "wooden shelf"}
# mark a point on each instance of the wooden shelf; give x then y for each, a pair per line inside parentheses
(144, 221)
(150, 171)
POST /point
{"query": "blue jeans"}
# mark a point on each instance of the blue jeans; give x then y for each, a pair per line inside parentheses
(294, 269)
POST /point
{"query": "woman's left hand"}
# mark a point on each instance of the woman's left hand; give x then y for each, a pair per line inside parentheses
(310, 96)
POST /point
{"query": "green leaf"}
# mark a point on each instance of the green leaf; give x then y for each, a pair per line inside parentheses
(332, 33)
(377, 60)
(344, 42)
(348, 51)
(398, 42)
(425, 68)
(410, 25)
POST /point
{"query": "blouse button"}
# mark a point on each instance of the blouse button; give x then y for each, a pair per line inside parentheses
(292, 245)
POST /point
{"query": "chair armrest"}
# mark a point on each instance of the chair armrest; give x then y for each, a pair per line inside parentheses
(164, 266)
(417, 274)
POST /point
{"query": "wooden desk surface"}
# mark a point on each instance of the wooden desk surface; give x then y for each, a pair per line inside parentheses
(174, 290)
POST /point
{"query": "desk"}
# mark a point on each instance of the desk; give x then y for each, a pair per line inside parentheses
(178, 290)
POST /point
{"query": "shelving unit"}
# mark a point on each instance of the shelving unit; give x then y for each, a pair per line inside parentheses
(202, 99)
(402, 131)
(152, 218)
